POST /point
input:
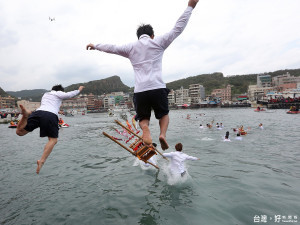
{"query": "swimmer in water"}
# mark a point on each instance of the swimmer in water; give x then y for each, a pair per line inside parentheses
(261, 126)
(238, 137)
(227, 136)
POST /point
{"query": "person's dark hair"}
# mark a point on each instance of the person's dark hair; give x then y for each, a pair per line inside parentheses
(227, 134)
(178, 147)
(144, 29)
(58, 87)
(154, 144)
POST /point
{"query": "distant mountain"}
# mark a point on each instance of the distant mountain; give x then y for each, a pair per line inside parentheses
(217, 80)
(3, 93)
(114, 84)
(35, 95)
(99, 87)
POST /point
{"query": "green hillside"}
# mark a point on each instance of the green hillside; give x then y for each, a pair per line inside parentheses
(98, 87)
(216, 80)
(3, 93)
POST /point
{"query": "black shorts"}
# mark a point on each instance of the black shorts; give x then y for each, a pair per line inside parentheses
(46, 121)
(145, 101)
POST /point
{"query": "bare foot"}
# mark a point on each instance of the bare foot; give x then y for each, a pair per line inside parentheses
(25, 112)
(163, 143)
(147, 136)
(39, 166)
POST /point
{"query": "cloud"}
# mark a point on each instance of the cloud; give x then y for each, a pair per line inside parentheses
(233, 37)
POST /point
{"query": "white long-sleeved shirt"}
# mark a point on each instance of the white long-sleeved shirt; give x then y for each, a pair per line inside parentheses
(146, 54)
(177, 161)
(51, 101)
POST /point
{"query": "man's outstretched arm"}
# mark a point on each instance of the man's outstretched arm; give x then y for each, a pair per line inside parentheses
(122, 50)
(166, 39)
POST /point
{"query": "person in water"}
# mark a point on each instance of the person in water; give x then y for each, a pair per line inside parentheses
(61, 121)
(238, 137)
(261, 126)
(177, 160)
(46, 118)
(146, 55)
(227, 136)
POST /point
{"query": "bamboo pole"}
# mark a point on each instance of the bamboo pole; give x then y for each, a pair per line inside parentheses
(160, 153)
(153, 165)
(118, 122)
(123, 146)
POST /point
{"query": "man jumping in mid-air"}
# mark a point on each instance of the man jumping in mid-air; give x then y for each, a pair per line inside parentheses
(46, 118)
(146, 55)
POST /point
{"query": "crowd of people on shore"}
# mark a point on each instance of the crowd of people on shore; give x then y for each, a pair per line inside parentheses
(284, 100)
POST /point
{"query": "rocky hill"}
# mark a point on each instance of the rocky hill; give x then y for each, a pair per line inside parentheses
(3, 93)
(98, 87)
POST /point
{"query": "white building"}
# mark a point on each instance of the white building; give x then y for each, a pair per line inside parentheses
(258, 93)
(264, 80)
(285, 79)
(31, 106)
(197, 93)
(182, 97)
(171, 97)
(109, 102)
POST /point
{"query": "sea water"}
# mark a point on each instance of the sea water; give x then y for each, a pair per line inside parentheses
(88, 179)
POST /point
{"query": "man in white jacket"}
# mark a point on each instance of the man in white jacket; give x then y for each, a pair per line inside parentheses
(177, 160)
(146, 55)
(46, 118)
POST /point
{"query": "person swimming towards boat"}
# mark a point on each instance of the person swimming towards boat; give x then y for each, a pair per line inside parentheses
(176, 165)
(46, 118)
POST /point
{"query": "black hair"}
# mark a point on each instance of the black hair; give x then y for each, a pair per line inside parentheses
(227, 134)
(58, 87)
(144, 29)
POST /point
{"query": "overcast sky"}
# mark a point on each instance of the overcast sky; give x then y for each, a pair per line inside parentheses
(228, 36)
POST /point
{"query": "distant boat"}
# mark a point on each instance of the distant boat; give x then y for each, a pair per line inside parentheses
(293, 112)
(259, 109)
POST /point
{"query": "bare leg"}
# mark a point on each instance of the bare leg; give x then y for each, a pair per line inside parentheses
(47, 150)
(23, 122)
(144, 125)
(163, 123)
